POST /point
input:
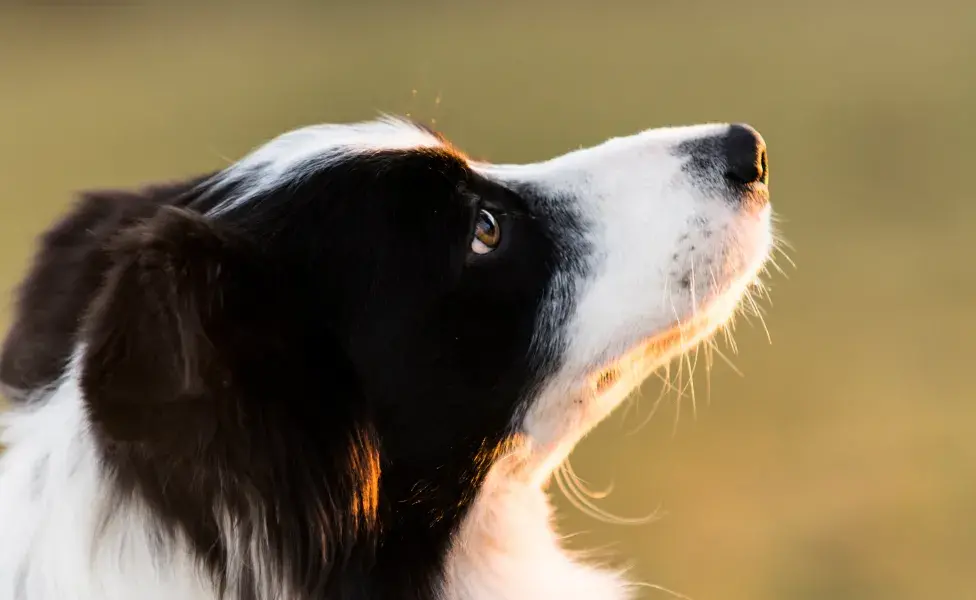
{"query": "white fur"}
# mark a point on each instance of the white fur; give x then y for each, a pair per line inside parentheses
(650, 231)
(61, 538)
(507, 548)
(285, 158)
(12, 393)
(650, 224)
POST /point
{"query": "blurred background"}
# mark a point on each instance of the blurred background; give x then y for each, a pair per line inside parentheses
(841, 463)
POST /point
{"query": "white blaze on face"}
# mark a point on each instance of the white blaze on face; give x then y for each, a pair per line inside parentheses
(283, 159)
(671, 251)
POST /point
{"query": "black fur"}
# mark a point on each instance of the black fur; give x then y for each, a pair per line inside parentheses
(328, 365)
(67, 271)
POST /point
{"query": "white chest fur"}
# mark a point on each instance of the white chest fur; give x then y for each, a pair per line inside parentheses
(63, 538)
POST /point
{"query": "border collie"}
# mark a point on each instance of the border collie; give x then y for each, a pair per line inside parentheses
(346, 366)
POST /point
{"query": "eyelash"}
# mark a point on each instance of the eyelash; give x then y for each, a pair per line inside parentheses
(509, 214)
(476, 203)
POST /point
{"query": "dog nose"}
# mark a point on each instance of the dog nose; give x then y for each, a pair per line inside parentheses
(745, 156)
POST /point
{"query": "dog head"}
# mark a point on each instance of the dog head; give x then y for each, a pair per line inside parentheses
(322, 350)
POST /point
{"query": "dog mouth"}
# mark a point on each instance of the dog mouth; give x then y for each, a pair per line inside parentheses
(707, 318)
(705, 315)
(755, 198)
(637, 363)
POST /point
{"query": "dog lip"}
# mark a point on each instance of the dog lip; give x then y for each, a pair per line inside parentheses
(754, 197)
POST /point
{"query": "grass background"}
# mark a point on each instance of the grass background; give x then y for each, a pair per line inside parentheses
(842, 466)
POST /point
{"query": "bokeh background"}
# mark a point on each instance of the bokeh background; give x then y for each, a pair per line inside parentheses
(841, 464)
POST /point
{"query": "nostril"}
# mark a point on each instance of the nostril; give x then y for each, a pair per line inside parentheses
(763, 167)
(745, 155)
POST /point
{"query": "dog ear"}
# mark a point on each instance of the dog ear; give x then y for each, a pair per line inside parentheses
(67, 270)
(204, 392)
(160, 350)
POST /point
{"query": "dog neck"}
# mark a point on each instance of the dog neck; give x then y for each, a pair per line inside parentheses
(507, 549)
(67, 533)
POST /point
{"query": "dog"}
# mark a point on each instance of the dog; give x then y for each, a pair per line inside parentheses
(345, 366)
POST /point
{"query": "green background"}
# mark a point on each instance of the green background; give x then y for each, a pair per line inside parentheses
(843, 464)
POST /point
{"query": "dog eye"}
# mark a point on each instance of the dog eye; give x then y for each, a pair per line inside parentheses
(487, 233)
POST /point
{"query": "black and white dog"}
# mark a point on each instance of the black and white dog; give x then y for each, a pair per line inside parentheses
(346, 366)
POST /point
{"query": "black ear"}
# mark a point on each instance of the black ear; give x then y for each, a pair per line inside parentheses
(66, 272)
(160, 352)
(206, 388)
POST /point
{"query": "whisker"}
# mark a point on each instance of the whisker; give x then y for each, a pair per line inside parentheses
(748, 297)
(691, 383)
(725, 359)
(660, 588)
(686, 357)
(568, 465)
(665, 388)
(709, 363)
(584, 504)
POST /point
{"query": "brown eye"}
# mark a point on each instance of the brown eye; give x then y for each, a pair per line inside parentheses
(487, 234)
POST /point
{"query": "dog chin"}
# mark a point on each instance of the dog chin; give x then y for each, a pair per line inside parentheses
(609, 385)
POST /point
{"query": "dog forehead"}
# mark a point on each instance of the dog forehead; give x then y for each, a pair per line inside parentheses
(289, 156)
(308, 143)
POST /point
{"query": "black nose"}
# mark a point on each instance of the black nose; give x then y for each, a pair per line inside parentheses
(745, 156)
